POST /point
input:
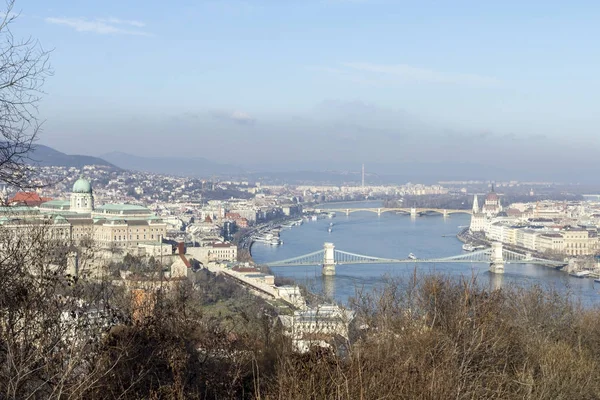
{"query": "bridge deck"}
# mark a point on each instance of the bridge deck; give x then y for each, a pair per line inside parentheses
(477, 257)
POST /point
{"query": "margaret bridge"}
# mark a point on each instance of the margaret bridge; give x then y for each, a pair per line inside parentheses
(496, 256)
(413, 211)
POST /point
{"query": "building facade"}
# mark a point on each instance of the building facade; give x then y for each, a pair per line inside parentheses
(481, 217)
(109, 226)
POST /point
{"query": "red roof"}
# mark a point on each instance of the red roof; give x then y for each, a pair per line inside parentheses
(492, 196)
(29, 199)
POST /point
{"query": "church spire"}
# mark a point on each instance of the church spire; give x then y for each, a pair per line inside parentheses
(475, 205)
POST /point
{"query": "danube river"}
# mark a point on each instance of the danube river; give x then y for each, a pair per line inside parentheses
(395, 236)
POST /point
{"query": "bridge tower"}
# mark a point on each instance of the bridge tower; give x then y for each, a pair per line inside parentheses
(413, 212)
(496, 259)
(328, 259)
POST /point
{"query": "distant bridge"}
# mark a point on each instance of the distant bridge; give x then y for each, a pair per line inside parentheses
(413, 211)
(496, 257)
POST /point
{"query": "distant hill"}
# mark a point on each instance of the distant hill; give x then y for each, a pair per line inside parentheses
(181, 166)
(47, 156)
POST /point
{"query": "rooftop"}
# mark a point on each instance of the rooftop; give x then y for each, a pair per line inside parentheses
(61, 204)
(18, 210)
(122, 209)
(82, 186)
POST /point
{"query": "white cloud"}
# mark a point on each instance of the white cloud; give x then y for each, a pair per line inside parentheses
(239, 117)
(100, 26)
(117, 21)
(403, 73)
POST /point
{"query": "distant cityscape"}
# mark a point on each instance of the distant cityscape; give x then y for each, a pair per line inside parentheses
(327, 199)
(191, 223)
(525, 214)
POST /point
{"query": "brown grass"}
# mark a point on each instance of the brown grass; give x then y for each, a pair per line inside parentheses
(441, 338)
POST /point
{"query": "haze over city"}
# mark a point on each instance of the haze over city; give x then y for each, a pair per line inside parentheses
(310, 199)
(502, 84)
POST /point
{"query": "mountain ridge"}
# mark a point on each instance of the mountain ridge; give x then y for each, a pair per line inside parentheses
(44, 156)
(182, 166)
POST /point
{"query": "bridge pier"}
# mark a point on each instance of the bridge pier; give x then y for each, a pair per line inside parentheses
(379, 212)
(347, 212)
(445, 213)
(328, 260)
(496, 259)
(413, 212)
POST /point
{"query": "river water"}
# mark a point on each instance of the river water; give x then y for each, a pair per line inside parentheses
(395, 236)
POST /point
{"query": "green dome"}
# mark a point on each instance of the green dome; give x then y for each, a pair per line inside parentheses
(82, 186)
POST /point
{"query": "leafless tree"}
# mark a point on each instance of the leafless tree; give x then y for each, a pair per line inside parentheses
(49, 324)
(24, 67)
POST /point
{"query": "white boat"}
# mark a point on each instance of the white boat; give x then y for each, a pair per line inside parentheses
(412, 256)
(266, 238)
(329, 229)
(468, 247)
(580, 274)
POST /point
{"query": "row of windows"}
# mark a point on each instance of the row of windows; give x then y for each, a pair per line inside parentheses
(137, 230)
(124, 237)
(576, 245)
(577, 252)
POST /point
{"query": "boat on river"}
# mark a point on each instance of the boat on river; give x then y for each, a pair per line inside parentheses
(468, 247)
(580, 274)
(412, 256)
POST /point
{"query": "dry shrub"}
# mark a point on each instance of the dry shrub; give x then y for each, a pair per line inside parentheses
(440, 338)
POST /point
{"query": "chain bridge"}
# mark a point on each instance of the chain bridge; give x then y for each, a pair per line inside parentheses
(496, 256)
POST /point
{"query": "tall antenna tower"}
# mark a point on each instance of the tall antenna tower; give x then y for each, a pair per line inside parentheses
(363, 175)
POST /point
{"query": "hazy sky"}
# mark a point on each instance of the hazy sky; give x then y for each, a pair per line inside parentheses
(303, 80)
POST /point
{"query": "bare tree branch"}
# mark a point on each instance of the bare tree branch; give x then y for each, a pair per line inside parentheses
(24, 67)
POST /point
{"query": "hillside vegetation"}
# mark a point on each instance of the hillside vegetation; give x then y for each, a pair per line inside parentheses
(206, 338)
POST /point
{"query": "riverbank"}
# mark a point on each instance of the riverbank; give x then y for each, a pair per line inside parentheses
(246, 238)
(466, 236)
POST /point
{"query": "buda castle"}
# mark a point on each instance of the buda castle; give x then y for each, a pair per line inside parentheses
(77, 219)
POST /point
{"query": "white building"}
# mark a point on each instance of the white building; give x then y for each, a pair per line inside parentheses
(316, 326)
(82, 200)
(214, 252)
(481, 218)
(292, 295)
